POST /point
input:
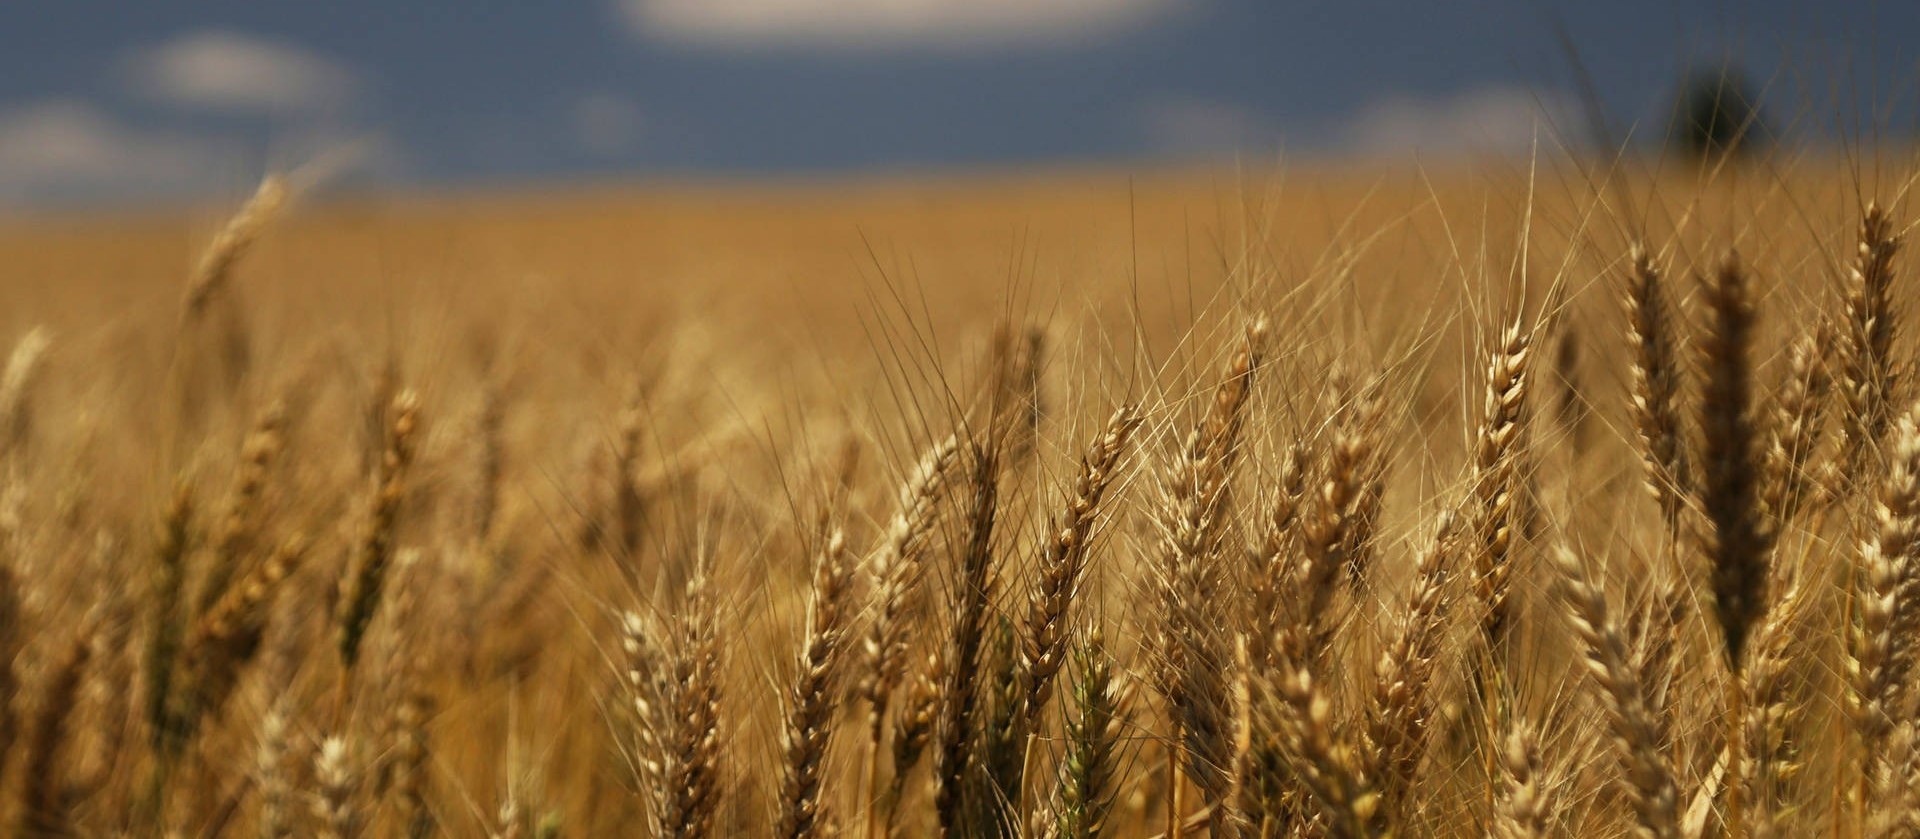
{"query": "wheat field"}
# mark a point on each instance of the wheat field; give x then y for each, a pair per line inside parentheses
(1514, 499)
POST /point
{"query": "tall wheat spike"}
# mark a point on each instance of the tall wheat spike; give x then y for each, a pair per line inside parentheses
(1881, 650)
(1496, 476)
(240, 518)
(955, 764)
(270, 769)
(1063, 559)
(1084, 792)
(898, 571)
(43, 808)
(215, 269)
(12, 638)
(1657, 383)
(1336, 531)
(360, 590)
(1868, 374)
(336, 784)
(1399, 712)
(1194, 650)
(1799, 418)
(17, 384)
(1772, 712)
(1638, 731)
(812, 700)
(1738, 536)
(166, 623)
(1276, 559)
(684, 719)
(1298, 712)
(1525, 809)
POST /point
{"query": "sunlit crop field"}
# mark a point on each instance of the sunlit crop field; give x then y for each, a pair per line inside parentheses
(1508, 499)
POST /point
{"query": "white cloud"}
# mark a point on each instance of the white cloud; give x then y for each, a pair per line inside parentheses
(885, 24)
(69, 151)
(62, 149)
(1492, 120)
(1206, 127)
(605, 124)
(228, 71)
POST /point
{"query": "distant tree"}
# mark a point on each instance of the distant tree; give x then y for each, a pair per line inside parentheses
(1717, 115)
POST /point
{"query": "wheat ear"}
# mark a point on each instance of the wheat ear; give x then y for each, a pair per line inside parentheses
(1656, 386)
(1063, 560)
(1798, 421)
(240, 518)
(336, 781)
(360, 590)
(954, 759)
(1881, 653)
(43, 807)
(1298, 713)
(1192, 512)
(17, 384)
(1084, 791)
(215, 269)
(1738, 537)
(810, 705)
(1496, 476)
(1868, 378)
(1399, 710)
(1524, 809)
(1638, 731)
(898, 569)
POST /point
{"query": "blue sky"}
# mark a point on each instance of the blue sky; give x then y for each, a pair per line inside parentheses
(110, 101)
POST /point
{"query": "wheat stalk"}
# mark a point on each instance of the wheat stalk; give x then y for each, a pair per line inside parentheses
(1298, 713)
(1336, 534)
(1798, 421)
(166, 622)
(224, 640)
(241, 516)
(12, 639)
(1274, 559)
(276, 790)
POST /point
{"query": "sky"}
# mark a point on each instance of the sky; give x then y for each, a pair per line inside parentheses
(106, 102)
